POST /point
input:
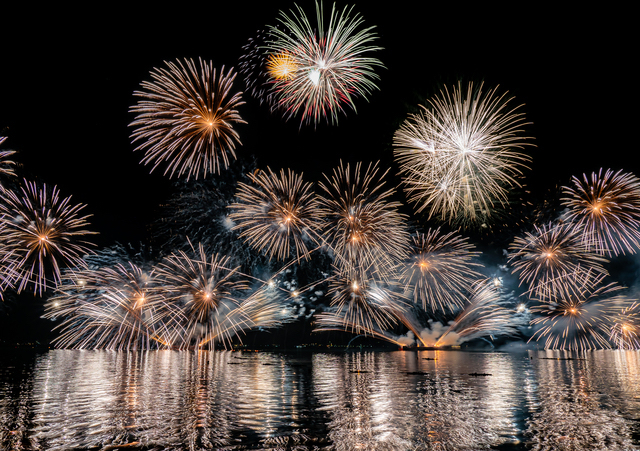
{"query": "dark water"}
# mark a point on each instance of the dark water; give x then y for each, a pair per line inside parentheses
(76, 400)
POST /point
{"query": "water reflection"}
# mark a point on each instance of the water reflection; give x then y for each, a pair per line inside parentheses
(424, 400)
(577, 399)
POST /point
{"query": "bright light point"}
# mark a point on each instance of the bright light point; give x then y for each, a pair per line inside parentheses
(314, 76)
(497, 282)
(521, 308)
(56, 304)
(271, 284)
(295, 294)
(354, 286)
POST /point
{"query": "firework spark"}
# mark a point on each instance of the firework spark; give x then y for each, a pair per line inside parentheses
(625, 332)
(578, 321)
(459, 157)
(555, 262)
(186, 118)
(482, 316)
(6, 166)
(206, 290)
(607, 209)
(327, 66)
(39, 232)
(363, 303)
(276, 214)
(363, 229)
(112, 308)
(440, 270)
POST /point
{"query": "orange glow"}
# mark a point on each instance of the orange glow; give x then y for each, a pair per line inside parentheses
(281, 66)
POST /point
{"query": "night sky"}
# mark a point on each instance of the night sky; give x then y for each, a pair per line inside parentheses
(67, 79)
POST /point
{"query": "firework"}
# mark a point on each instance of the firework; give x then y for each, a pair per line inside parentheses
(482, 316)
(327, 66)
(554, 261)
(459, 157)
(440, 270)
(363, 229)
(607, 209)
(276, 213)
(186, 118)
(578, 321)
(625, 332)
(115, 308)
(6, 166)
(39, 232)
(363, 303)
(252, 68)
(205, 288)
(328, 321)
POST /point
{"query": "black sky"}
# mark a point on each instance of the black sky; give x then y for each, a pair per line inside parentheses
(67, 78)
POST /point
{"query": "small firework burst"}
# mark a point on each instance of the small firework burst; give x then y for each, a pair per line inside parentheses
(460, 156)
(579, 321)
(115, 308)
(281, 66)
(555, 262)
(206, 289)
(440, 270)
(328, 67)
(625, 332)
(606, 208)
(40, 234)
(277, 213)
(186, 118)
(363, 229)
(363, 303)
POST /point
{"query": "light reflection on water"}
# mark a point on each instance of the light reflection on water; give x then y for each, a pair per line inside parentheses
(426, 400)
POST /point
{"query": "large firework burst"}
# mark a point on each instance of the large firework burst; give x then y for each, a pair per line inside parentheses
(555, 262)
(319, 69)
(625, 329)
(440, 271)
(460, 155)
(39, 233)
(206, 289)
(579, 321)
(607, 210)
(364, 230)
(116, 308)
(186, 118)
(277, 213)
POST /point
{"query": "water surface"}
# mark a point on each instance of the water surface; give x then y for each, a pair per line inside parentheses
(404, 400)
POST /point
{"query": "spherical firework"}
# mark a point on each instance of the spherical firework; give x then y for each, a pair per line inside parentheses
(205, 288)
(625, 331)
(186, 118)
(607, 210)
(363, 303)
(578, 321)
(112, 308)
(440, 270)
(39, 232)
(459, 156)
(555, 262)
(277, 213)
(327, 66)
(363, 229)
